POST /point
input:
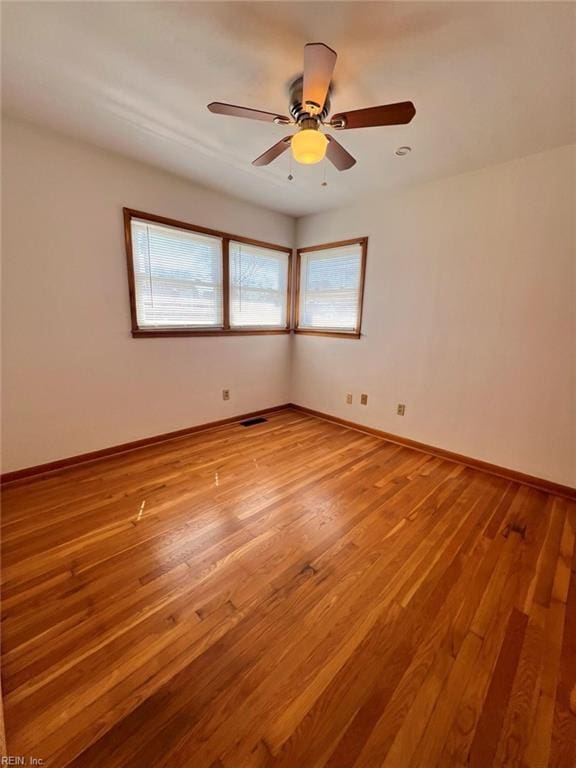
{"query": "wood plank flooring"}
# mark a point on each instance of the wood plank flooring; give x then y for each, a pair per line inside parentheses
(294, 594)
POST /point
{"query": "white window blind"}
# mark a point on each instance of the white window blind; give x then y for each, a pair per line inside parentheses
(177, 276)
(258, 286)
(330, 285)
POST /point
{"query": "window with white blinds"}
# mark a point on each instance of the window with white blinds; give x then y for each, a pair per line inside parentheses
(186, 280)
(177, 277)
(330, 287)
(258, 286)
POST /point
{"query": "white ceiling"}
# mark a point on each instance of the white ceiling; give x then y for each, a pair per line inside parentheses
(491, 81)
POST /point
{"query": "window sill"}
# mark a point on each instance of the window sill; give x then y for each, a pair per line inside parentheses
(141, 333)
(335, 334)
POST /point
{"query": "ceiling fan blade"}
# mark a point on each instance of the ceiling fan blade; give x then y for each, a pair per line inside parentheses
(252, 114)
(388, 114)
(338, 156)
(275, 151)
(319, 63)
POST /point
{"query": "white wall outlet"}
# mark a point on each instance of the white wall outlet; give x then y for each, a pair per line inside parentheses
(349, 398)
(401, 409)
(363, 399)
(225, 394)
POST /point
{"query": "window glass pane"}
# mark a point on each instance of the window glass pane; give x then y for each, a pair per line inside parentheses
(177, 275)
(258, 286)
(330, 288)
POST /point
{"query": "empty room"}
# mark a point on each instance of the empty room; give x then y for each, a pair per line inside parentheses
(288, 471)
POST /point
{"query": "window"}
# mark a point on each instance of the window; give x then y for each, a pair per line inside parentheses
(177, 277)
(185, 280)
(330, 288)
(258, 286)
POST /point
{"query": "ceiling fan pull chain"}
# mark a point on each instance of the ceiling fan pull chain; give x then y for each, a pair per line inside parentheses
(324, 182)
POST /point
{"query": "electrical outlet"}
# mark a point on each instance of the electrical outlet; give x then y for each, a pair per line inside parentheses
(225, 394)
(349, 398)
(363, 399)
(401, 410)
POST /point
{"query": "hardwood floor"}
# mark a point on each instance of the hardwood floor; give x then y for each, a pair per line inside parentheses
(294, 594)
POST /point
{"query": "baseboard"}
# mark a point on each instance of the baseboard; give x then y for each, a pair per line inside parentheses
(509, 474)
(83, 458)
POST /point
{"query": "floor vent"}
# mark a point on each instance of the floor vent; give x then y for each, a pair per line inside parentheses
(252, 422)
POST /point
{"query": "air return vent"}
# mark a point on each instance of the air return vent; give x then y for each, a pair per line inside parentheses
(252, 422)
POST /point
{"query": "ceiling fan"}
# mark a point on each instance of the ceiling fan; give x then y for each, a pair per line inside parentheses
(309, 109)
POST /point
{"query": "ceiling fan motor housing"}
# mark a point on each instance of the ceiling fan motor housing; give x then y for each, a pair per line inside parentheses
(308, 111)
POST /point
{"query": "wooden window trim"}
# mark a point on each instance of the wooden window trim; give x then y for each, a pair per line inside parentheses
(357, 332)
(226, 237)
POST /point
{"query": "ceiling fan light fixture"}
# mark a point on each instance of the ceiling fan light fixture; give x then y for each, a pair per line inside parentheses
(309, 146)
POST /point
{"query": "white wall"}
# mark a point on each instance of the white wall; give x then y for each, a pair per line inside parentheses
(469, 316)
(74, 378)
